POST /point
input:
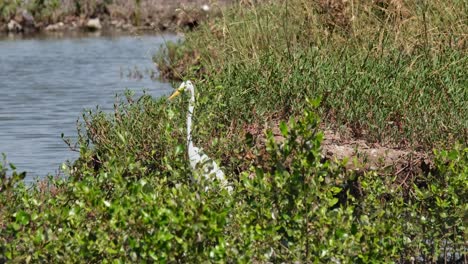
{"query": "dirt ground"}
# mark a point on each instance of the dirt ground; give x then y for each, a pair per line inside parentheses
(360, 155)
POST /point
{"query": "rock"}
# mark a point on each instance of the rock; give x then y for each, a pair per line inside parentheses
(28, 19)
(55, 27)
(117, 23)
(127, 26)
(3, 27)
(14, 26)
(205, 8)
(27, 22)
(82, 22)
(18, 18)
(40, 25)
(70, 19)
(25, 19)
(93, 24)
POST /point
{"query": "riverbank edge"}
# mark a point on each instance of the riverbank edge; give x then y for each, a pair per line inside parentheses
(169, 18)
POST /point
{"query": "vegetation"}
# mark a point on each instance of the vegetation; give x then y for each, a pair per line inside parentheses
(391, 77)
(46, 10)
(134, 12)
(390, 73)
(292, 207)
(8, 8)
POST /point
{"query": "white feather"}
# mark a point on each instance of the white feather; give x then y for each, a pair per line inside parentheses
(199, 161)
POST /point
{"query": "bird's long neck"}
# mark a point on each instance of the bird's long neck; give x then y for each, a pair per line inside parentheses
(191, 106)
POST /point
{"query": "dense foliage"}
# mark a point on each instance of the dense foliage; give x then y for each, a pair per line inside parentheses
(294, 206)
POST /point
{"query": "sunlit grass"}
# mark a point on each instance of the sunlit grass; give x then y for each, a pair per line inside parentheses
(393, 74)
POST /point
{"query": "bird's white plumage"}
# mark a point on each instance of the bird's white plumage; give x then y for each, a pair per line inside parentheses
(199, 161)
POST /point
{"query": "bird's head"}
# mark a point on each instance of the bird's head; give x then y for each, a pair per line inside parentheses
(184, 87)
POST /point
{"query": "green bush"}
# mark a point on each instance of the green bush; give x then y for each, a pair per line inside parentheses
(294, 206)
(438, 207)
(301, 209)
(8, 9)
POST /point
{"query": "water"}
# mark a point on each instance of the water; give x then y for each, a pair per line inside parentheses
(46, 83)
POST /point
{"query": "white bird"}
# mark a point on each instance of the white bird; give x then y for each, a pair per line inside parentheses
(199, 161)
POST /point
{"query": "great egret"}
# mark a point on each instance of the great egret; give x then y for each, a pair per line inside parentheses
(199, 161)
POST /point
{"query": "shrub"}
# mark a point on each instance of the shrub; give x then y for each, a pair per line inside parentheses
(294, 206)
(8, 9)
(298, 208)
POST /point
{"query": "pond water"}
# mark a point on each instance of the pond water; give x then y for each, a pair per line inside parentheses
(47, 82)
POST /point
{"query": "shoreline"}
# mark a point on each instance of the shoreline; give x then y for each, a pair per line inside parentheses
(148, 16)
(107, 32)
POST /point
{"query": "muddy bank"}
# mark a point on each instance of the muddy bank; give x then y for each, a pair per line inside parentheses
(116, 15)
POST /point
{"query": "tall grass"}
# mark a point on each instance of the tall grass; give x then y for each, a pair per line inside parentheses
(388, 71)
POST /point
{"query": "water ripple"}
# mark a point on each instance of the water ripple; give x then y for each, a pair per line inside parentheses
(45, 85)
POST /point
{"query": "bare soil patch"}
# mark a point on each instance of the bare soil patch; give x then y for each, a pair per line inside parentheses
(359, 154)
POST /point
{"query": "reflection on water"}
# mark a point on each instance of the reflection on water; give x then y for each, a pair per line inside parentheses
(45, 83)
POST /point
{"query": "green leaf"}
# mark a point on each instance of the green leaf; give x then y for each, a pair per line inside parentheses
(284, 128)
(153, 255)
(335, 190)
(122, 138)
(15, 226)
(453, 155)
(314, 102)
(22, 218)
(340, 232)
(332, 201)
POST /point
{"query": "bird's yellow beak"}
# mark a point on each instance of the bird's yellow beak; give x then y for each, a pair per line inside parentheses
(174, 95)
